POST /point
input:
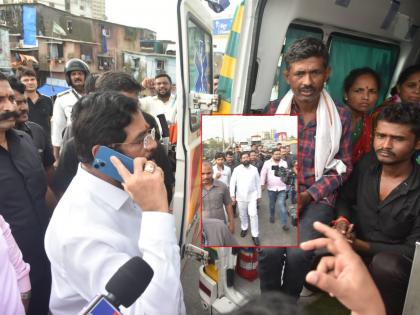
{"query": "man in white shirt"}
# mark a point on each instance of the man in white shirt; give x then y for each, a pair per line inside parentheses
(97, 226)
(76, 71)
(245, 189)
(163, 102)
(220, 171)
(275, 186)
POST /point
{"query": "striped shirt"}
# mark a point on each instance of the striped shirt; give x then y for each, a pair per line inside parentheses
(323, 190)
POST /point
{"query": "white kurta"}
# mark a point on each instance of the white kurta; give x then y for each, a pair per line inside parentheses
(245, 187)
(245, 183)
(225, 174)
(154, 106)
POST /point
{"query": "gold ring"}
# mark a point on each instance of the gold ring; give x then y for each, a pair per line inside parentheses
(149, 167)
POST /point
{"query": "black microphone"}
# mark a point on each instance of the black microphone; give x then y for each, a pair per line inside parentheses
(163, 125)
(124, 288)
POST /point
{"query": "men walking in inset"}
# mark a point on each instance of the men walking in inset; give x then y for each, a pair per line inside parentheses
(245, 189)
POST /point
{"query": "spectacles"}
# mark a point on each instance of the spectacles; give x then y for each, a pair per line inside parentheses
(146, 139)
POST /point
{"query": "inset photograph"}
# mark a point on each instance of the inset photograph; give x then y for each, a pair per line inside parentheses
(249, 180)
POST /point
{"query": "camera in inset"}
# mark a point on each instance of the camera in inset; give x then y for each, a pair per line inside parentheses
(286, 175)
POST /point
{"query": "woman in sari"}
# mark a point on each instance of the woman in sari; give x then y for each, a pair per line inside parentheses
(407, 90)
(361, 91)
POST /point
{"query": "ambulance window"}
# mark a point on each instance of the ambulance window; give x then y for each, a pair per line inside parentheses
(349, 52)
(294, 32)
(199, 65)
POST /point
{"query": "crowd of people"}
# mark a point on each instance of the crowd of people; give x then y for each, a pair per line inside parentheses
(67, 218)
(235, 183)
(62, 211)
(357, 171)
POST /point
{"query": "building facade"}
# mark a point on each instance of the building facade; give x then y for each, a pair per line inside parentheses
(87, 8)
(5, 64)
(46, 38)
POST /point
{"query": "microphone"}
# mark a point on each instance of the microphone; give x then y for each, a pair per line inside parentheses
(163, 125)
(124, 288)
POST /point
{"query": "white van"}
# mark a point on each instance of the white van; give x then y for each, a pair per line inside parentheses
(383, 34)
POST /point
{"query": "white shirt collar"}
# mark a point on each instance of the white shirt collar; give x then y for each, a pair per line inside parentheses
(105, 191)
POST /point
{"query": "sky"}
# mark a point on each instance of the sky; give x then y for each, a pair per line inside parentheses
(156, 15)
(243, 127)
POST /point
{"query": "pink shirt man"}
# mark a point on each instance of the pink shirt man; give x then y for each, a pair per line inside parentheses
(268, 178)
(14, 273)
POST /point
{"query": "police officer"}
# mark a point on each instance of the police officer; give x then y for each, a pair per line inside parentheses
(76, 72)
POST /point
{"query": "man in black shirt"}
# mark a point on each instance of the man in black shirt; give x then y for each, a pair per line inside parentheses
(40, 106)
(39, 137)
(287, 156)
(23, 185)
(230, 160)
(41, 140)
(255, 160)
(382, 199)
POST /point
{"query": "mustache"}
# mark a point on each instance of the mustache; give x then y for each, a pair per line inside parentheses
(307, 88)
(385, 151)
(165, 93)
(23, 112)
(8, 115)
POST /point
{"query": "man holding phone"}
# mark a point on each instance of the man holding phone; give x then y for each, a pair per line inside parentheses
(97, 226)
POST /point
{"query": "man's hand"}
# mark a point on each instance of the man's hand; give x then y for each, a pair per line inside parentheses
(262, 187)
(26, 298)
(305, 199)
(361, 246)
(56, 152)
(218, 174)
(148, 83)
(344, 275)
(145, 188)
(345, 228)
(233, 201)
(295, 168)
(342, 227)
(231, 227)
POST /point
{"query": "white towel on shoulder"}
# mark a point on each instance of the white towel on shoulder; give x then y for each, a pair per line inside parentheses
(328, 133)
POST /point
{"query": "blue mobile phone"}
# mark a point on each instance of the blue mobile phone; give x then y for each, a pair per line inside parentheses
(103, 163)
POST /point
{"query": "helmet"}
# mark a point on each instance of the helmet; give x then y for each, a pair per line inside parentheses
(75, 64)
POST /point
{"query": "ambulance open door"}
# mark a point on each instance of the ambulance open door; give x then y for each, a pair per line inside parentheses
(194, 97)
